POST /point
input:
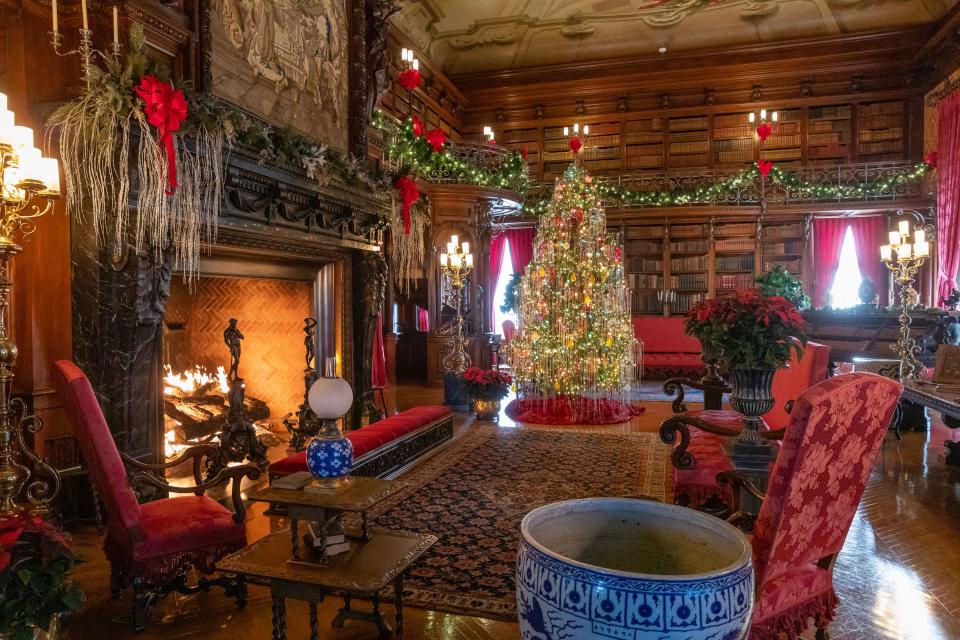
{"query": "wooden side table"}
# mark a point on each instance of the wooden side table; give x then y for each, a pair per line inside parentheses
(356, 494)
(363, 572)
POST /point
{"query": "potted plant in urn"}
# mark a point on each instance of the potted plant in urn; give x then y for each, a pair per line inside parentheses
(486, 388)
(35, 558)
(755, 335)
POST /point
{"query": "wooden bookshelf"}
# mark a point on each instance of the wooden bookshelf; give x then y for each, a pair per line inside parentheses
(520, 139)
(688, 142)
(603, 149)
(643, 144)
(645, 250)
(733, 145)
(689, 249)
(785, 146)
(783, 244)
(556, 153)
(880, 130)
(829, 134)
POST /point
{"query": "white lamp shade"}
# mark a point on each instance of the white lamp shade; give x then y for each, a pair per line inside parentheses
(30, 164)
(50, 173)
(330, 398)
(6, 127)
(22, 137)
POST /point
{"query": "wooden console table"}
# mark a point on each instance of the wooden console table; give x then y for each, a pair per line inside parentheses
(939, 397)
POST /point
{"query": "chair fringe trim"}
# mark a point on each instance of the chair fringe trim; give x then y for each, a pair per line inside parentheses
(795, 620)
(698, 495)
(161, 570)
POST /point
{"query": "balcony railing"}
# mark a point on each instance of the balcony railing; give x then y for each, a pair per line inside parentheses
(862, 182)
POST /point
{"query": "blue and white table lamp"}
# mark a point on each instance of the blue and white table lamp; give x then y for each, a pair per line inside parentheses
(329, 453)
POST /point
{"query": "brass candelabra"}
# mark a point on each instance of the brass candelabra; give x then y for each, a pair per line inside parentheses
(455, 265)
(29, 184)
(904, 260)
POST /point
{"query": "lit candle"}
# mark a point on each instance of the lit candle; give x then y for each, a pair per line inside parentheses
(83, 10)
(403, 54)
(886, 252)
(466, 247)
(50, 175)
(774, 116)
(894, 238)
(919, 236)
(451, 248)
(469, 259)
(416, 64)
(904, 226)
(752, 117)
(56, 25)
(586, 129)
(454, 240)
(922, 249)
(116, 25)
(487, 131)
(455, 260)
(576, 127)
(566, 131)
(443, 259)
(763, 114)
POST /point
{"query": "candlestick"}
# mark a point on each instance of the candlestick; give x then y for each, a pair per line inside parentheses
(116, 25)
(83, 10)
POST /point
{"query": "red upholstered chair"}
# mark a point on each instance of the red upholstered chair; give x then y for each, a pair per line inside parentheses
(698, 455)
(151, 546)
(816, 483)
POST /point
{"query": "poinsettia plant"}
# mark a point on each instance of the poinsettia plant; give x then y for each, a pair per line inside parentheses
(486, 384)
(751, 330)
(35, 558)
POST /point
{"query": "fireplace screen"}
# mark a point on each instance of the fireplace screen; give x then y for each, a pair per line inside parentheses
(270, 314)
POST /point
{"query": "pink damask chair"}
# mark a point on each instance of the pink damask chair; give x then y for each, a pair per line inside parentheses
(151, 546)
(698, 455)
(816, 483)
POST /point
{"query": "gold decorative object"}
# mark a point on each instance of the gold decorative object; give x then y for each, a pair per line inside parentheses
(30, 183)
(456, 264)
(904, 260)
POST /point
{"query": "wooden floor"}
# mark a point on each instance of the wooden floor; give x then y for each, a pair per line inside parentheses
(898, 576)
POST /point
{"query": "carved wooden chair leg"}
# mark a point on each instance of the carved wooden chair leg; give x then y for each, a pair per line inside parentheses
(143, 598)
(240, 590)
(822, 634)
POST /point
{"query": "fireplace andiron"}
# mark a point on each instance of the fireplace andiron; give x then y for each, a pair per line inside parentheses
(238, 438)
(307, 424)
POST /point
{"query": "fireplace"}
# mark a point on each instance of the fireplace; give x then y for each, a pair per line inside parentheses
(270, 301)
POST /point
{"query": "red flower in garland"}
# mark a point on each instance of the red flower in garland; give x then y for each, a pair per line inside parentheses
(931, 158)
(575, 145)
(166, 109)
(523, 152)
(764, 166)
(409, 79)
(417, 125)
(408, 195)
(493, 142)
(764, 131)
(10, 532)
(436, 138)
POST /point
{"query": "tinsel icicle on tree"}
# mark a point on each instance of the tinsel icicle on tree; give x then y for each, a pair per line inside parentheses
(576, 338)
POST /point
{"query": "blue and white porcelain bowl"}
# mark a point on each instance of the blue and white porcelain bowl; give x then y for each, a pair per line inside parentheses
(600, 568)
(329, 459)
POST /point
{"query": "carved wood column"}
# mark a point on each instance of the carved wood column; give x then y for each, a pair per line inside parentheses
(358, 78)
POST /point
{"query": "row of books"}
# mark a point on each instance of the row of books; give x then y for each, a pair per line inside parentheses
(644, 281)
(782, 231)
(688, 136)
(682, 302)
(530, 136)
(649, 124)
(646, 304)
(645, 149)
(688, 124)
(735, 263)
(688, 230)
(644, 246)
(842, 111)
(602, 164)
(881, 109)
(735, 244)
(644, 232)
(685, 246)
(735, 281)
(689, 263)
(829, 151)
(823, 126)
(880, 122)
(735, 143)
(792, 153)
(689, 160)
(635, 265)
(793, 266)
(644, 137)
(689, 281)
(731, 120)
(745, 155)
(784, 140)
(834, 137)
(876, 135)
(645, 162)
(894, 146)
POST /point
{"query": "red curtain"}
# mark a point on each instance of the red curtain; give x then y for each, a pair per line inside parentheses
(497, 244)
(827, 239)
(378, 375)
(948, 195)
(868, 235)
(423, 320)
(521, 247)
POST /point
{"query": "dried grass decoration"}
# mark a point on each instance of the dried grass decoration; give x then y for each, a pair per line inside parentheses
(96, 132)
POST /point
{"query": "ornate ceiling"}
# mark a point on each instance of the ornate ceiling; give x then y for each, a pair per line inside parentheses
(475, 36)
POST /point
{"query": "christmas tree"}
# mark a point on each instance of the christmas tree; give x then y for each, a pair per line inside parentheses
(576, 338)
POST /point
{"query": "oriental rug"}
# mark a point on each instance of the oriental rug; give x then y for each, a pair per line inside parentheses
(473, 495)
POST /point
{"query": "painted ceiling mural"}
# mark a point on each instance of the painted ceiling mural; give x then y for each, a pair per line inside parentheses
(473, 36)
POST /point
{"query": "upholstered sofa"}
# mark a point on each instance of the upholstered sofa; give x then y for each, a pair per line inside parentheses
(387, 446)
(667, 350)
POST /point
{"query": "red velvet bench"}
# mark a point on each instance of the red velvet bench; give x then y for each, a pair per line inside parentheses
(387, 446)
(667, 350)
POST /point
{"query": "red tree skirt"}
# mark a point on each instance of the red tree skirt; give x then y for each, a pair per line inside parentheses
(572, 410)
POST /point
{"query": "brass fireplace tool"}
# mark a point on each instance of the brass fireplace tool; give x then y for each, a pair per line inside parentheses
(307, 424)
(238, 438)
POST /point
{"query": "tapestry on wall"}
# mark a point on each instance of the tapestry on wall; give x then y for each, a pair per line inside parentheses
(285, 61)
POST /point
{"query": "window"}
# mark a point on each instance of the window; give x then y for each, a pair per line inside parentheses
(843, 293)
(506, 272)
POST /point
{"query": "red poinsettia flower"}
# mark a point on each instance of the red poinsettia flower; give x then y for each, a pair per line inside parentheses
(764, 166)
(575, 145)
(931, 158)
(437, 138)
(409, 79)
(408, 195)
(417, 125)
(764, 131)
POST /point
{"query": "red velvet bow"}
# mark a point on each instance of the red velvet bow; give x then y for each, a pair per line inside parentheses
(764, 166)
(417, 126)
(523, 152)
(493, 142)
(436, 138)
(764, 131)
(409, 79)
(575, 145)
(931, 158)
(408, 195)
(166, 109)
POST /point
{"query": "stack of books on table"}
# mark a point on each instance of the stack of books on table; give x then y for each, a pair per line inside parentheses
(294, 481)
(335, 540)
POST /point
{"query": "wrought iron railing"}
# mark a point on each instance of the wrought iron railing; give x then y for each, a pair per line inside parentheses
(861, 182)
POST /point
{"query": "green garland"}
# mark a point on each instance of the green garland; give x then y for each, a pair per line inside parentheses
(618, 195)
(415, 155)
